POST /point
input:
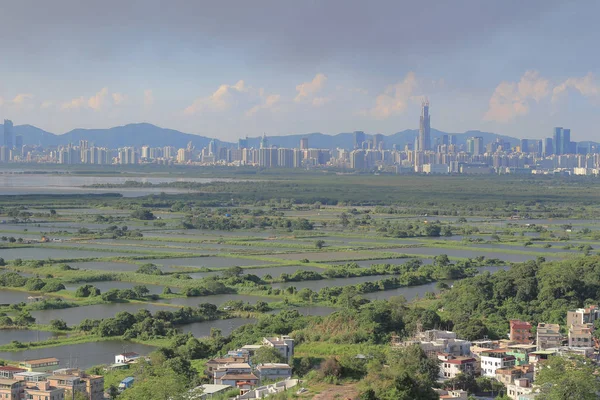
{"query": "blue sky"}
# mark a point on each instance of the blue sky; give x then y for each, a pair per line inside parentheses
(227, 69)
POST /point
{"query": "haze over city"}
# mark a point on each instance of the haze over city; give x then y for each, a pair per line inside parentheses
(231, 69)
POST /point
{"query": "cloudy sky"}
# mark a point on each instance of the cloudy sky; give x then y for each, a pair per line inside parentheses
(227, 69)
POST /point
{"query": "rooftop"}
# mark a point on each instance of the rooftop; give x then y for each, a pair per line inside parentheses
(239, 377)
(41, 361)
(211, 389)
(10, 368)
(274, 365)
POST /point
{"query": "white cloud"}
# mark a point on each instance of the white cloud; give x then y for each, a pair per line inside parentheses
(22, 98)
(118, 98)
(586, 85)
(97, 101)
(73, 104)
(395, 98)
(47, 104)
(269, 103)
(512, 99)
(308, 89)
(148, 98)
(222, 99)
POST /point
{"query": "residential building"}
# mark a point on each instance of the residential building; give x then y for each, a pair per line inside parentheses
(216, 363)
(8, 134)
(234, 380)
(284, 344)
(520, 387)
(548, 335)
(274, 371)
(7, 371)
(493, 360)
(435, 341)
(520, 332)
(580, 335)
(521, 352)
(265, 391)
(452, 394)
(583, 316)
(74, 380)
(451, 366)
(40, 365)
(125, 358)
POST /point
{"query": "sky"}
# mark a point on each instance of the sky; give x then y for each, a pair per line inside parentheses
(228, 69)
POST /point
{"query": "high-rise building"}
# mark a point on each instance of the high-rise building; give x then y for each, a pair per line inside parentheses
(378, 141)
(566, 144)
(8, 133)
(562, 141)
(425, 128)
(213, 148)
(304, 143)
(445, 140)
(264, 143)
(243, 143)
(524, 145)
(547, 147)
(359, 138)
(475, 145)
(357, 160)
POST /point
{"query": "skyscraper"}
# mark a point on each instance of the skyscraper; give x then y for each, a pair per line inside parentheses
(425, 128)
(524, 145)
(359, 138)
(304, 143)
(243, 143)
(8, 133)
(264, 143)
(562, 141)
(377, 141)
(547, 147)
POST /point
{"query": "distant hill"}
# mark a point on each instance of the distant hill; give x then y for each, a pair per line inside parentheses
(147, 134)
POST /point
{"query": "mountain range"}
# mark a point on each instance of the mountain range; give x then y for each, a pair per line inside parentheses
(147, 134)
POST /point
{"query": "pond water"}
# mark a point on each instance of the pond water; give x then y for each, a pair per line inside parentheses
(83, 355)
(40, 253)
(24, 335)
(318, 257)
(105, 266)
(73, 316)
(209, 262)
(8, 296)
(509, 257)
(277, 271)
(202, 329)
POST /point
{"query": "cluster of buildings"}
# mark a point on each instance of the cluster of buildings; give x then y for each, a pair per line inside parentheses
(512, 362)
(235, 370)
(553, 155)
(43, 380)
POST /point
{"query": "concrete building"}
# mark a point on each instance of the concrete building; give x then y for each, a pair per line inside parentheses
(493, 360)
(284, 344)
(583, 316)
(125, 358)
(452, 394)
(520, 332)
(521, 386)
(424, 142)
(580, 335)
(40, 365)
(274, 371)
(435, 341)
(74, 380)
(548, 335)
(265, 391)
(451, 366)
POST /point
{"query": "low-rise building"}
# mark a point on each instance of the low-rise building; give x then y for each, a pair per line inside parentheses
(520, 332)
(284, 344)
(234, 379)
(452, 394)
(521, 352)
(435, 341)
(274, 371)
(580, 335)
(548, 335)
(7, 371)
(40, 365)
(216, 363)
(493, 360)
(451, 366)
(521, 386)
(583, 315)
(74, 380)
(265, 391)
(125, 358)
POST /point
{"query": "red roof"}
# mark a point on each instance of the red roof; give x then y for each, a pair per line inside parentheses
(9, 368)
(460, 361)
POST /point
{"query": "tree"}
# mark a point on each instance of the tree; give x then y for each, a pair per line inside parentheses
(562, 378)
(319, 244)
(149, 269)
(113, 392)
(232, 272)
(267, 354)
(145, 215)
(140, 290)
(59, 325)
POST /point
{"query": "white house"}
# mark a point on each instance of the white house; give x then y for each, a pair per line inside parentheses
(274, 371)
(492, 360)
(125, 358)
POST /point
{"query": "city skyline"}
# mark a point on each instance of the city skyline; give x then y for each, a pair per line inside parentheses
(229, 71)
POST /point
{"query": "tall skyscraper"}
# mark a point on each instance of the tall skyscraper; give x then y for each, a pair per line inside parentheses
(562, 141)
(264, 143)
(377, 141)
(8, 133)
(566, 144)
(359, 138)
(547, 147)
(425, 128)
(524, 145)
(304, 143)
(243, 143)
